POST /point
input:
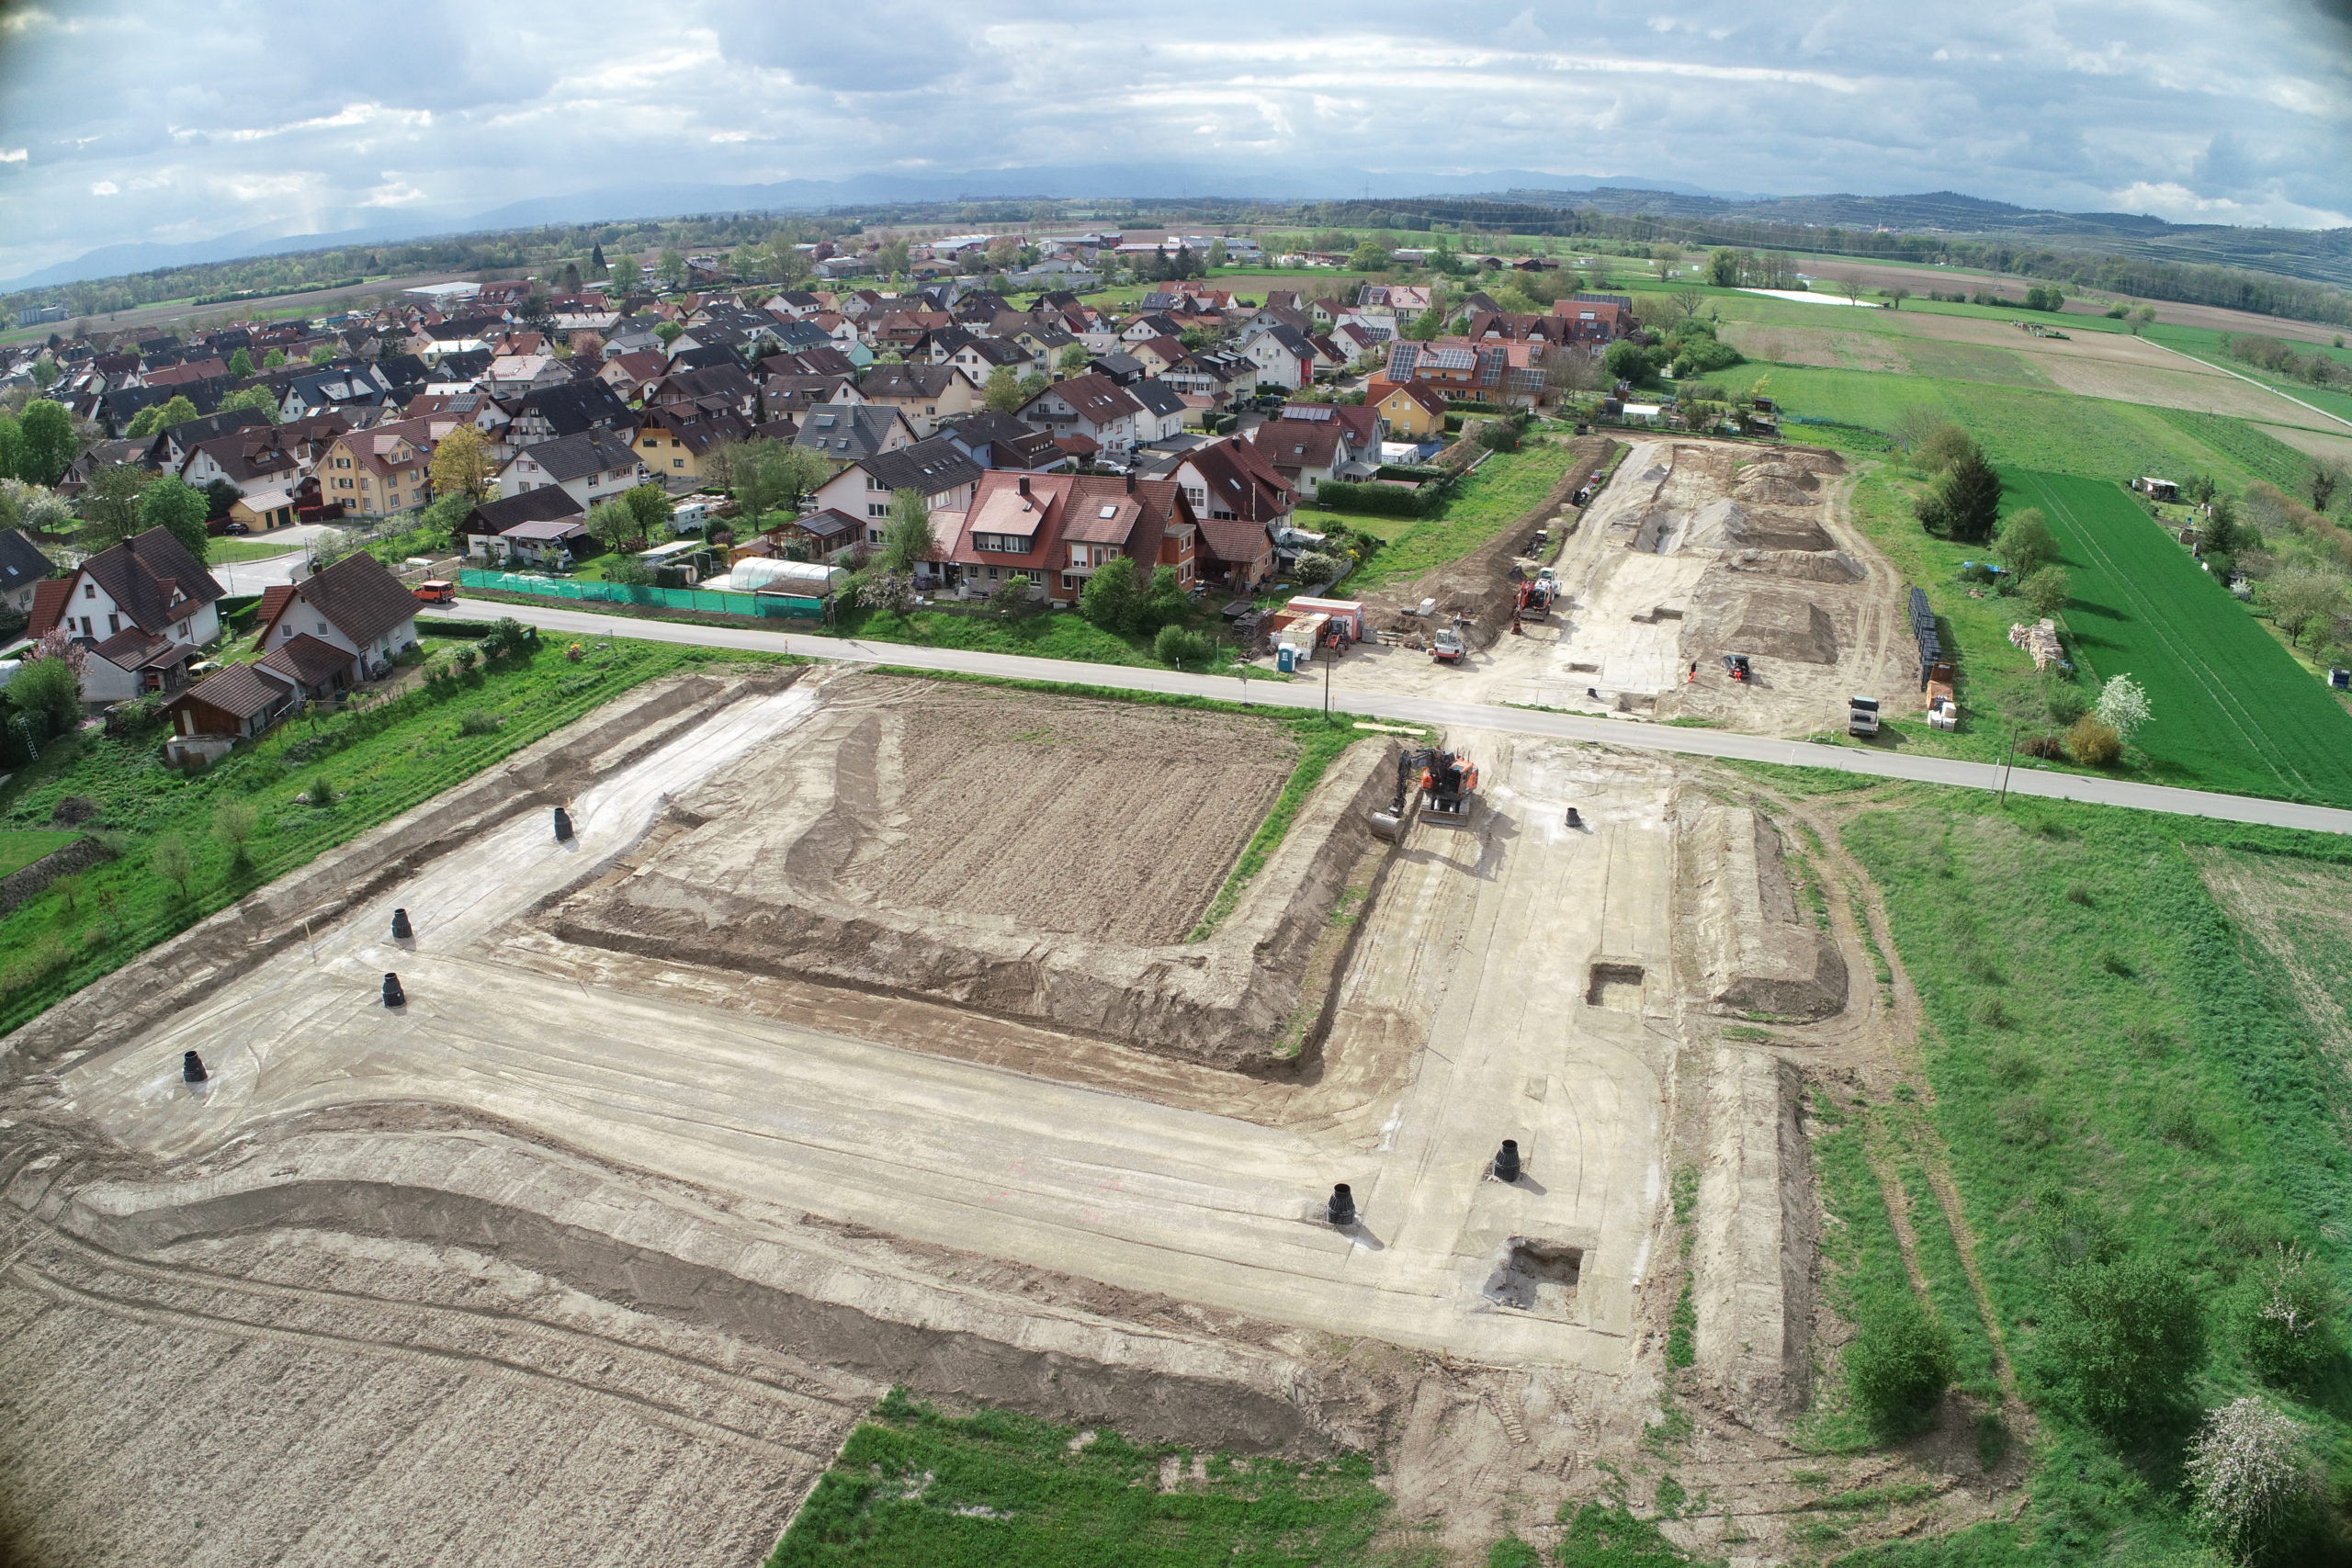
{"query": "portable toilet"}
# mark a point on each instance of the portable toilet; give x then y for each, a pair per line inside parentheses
(1286, 657)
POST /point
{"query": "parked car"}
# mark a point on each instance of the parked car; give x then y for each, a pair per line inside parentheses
(434, 590)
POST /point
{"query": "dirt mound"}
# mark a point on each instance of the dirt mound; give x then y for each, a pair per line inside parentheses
(1810, 566)
(1776, 490)
(1719, 525)
(1779, 624)
(1759, 952)
(1782, 471)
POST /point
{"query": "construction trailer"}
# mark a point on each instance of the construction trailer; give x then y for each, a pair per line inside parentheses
(1861, 716)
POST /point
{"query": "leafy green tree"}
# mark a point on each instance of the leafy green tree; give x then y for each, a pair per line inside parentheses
(1001, 394)
(235, 822)
(627, 275)
(612, 525)
(669, 333)
(1164, 600)
(1723, 267)
(653, 508)
(12, 447)
(169, 503)
(1113, 596)
(461, 464)
(1429, 325)
(1942, 446)
(2289, 1328)
(1031, 385)
(260, 400)
(2303, 599)
(596, 267)
(1218, 255)
(276, 357)
(2046, 591)
(908, 540)
(322, 354)
(155, 417)
(769, 476)
(50, 687)
(1900, 1361)
(1073, 360)
(49, 444)
(110, 506)
(1371, 256)
(241, 365)
(891, 258)
(1627, 360)
(1015, 598)
(672, 268)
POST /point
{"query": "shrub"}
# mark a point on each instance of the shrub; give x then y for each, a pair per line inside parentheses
(321, 792)
(2289, 1329)
(477, 721)
(2094, 742)
(2122, 1340)
(2062, 701)
(1900, 1361)
(1942, 446)
(508, 636)
(1183, 649)
(172, 862)
(629, 571)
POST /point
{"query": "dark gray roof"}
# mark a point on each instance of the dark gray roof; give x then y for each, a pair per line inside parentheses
(577, 457)
(1156, 396)
(846, 432)
(545, 505)
(929, 467)
(571, 407)
(21, 560)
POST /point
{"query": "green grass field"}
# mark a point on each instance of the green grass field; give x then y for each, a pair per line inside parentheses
(993, 1490)
(20, 847)
(2233, 709)
(2108, 1053)
(221, 551)
(378, 762)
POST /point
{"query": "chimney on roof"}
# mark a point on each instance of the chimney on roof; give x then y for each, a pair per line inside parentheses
(1025, 484)
(1131, 481)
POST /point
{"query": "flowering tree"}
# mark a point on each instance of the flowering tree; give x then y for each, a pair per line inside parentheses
(2123, 706)
(56, 644)
(2248, 1469)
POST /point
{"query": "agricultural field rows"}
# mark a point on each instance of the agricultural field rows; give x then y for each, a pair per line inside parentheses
(2233, 709)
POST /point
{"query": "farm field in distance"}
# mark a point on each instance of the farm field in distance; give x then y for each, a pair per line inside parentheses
(2233, 709)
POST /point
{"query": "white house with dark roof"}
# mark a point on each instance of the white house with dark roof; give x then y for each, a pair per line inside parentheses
(940, 471)
(590, 467)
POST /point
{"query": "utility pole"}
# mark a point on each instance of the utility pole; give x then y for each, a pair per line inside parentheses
(1330, 657)
(2009, 761)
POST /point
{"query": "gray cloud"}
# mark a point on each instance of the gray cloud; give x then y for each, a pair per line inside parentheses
(123, 122)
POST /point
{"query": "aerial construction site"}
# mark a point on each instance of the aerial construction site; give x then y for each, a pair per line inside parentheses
(557, 1173)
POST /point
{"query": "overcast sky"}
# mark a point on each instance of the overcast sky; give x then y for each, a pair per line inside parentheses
(123, 121)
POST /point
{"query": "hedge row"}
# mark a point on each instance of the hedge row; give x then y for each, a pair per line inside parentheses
(1379, 499)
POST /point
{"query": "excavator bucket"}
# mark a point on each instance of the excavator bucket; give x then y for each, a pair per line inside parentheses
(1386, 825)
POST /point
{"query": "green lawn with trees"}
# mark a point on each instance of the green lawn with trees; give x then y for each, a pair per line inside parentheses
(191, 842)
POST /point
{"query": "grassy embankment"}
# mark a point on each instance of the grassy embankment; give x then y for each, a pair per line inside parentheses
(2108, 1057)
(1483, 505)
(373, 764)
(219, 552)
(913, 1485)
(21, 847)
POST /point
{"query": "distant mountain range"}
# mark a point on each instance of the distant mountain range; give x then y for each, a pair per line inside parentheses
(2276, 250)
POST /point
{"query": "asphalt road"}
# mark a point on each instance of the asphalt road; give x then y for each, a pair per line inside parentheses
(1308, 692)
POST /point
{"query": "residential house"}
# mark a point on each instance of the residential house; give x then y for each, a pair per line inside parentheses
(627, 374)
(1284, 356)
(1158, 356)
(674, 439)
(1398, 300)
(1596, 320)
(253, 460)
(1220, 379)
(537, 526)
(926, 394)
(378, 471)
(573, 409)
(356, 608)
(984, 356)
(1092, 406)
(142, 607)
(23, 568)
(795, 395)
(1414, 411)
(999, 441)
(234, 703)
(512, 374)
(590, 467)
(1239, 499)
(1305, 452)
(824, 535)
(266, 510)
(729, 383)
(1057, 530)
(1160, 411)
(845, 432)
(939, 470)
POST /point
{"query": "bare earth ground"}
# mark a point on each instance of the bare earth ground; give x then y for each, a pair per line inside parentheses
(592, 1253)
(1695, 549)
(2316, 443)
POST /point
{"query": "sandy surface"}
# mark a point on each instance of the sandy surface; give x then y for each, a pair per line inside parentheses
(2317, 443)
(1696, 550)
(1207, 1207)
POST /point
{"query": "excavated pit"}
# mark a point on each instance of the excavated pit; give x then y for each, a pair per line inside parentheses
(1032, 857)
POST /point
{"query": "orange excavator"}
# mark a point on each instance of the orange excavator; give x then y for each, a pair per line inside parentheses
(1444, 782)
